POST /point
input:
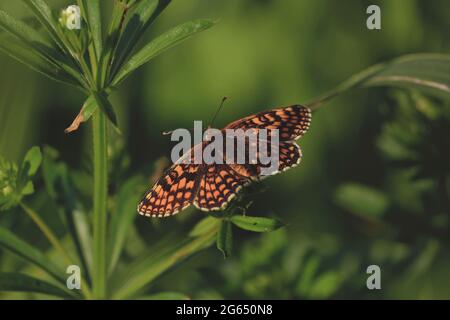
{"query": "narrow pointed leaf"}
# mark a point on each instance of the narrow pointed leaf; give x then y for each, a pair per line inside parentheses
(102, 101)
(31, 40)
(256, 224)
(46, 17)
(138, 276)
(13, 243)
(160, 44)
(118, 15)
(91, 9)
(427, 72)
(60, 187)
(16, 50)
(88, 109)
(123, 216)
(139, 19)
(85, 113)
(17, 282)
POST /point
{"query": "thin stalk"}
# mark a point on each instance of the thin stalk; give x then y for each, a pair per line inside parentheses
(54, 241)
(47, 232)
(351, 82)
(100, 195)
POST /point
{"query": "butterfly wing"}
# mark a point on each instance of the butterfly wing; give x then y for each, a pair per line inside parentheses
(218, 186)
(292, 121)
(173, 192)
(176, 189)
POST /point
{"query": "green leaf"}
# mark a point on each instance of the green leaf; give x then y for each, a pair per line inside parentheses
(31, 40)
(125, 212)
(427, 72)
(362, 200)
(46, 17)
(205, 226)
(139, 275)
(160, 44)
(32, 161)
(88, 108)
(142, 15)
(256, 224)
(16, 50)
(102, 101)
(224, 240)
(61, 189)
(91, 9)
(12, 281)
(115, 29)
(166, 296)
(30, 165)
(13, 243)
(26, 34)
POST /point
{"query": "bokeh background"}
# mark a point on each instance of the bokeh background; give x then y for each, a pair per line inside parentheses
(353, 202)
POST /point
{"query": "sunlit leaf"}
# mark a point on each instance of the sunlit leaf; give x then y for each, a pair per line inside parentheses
(205, 225)
(256, 224)
(160, 44)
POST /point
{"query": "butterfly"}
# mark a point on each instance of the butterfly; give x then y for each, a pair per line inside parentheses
(212, 187)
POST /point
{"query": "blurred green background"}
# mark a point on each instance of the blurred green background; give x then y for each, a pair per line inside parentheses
(353, 202)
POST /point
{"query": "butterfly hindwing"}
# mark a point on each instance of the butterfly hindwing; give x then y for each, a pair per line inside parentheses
(173, 192)
(218, 187)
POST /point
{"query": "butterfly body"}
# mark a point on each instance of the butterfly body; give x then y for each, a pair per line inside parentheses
(212, 186)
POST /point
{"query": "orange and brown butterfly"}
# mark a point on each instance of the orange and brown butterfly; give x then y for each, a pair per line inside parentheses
(212, 186)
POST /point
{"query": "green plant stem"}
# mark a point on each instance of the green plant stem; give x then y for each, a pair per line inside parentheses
(51, 237)
(100, 195)
(351, 82)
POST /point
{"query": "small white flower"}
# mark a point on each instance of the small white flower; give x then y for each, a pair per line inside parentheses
(71, 17)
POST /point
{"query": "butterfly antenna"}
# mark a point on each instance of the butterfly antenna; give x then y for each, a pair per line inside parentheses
(217, 112)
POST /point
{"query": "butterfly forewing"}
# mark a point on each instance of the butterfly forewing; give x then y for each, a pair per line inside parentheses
(219, 185)
(292, 121)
